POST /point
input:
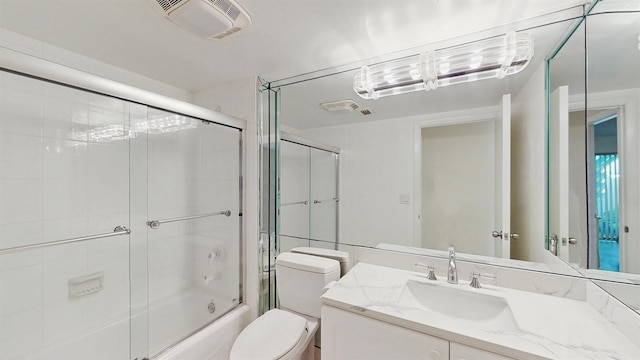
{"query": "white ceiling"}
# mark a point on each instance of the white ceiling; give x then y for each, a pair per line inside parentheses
(286, 37)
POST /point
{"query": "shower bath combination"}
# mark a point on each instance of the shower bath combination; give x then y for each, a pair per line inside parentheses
(123, 218)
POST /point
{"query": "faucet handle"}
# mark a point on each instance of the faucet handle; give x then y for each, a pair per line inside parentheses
(475, 279)
(432, 270)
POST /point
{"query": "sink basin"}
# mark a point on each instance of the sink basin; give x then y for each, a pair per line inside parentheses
(463, 304)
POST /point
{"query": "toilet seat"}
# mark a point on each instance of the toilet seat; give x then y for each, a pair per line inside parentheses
(271, 336)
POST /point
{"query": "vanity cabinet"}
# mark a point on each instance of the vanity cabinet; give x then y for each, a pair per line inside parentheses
(349, 336)
(464, 352)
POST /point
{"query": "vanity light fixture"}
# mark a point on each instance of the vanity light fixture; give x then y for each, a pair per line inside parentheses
(491, 58)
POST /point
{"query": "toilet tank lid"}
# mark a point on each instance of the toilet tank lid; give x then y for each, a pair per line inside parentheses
(307, 263)
(341, 256)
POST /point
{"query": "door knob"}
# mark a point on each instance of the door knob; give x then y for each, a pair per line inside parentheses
(502, 235)
(553, 244)
(573, 241)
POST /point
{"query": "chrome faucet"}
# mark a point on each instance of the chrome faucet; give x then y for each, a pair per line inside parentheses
(452, 274)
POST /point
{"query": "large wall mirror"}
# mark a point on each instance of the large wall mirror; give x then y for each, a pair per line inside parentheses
(419, 170)
(415, 172)
(594, 132)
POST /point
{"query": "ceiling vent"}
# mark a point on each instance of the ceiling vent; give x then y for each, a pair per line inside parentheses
(339, 106)
(206, 18)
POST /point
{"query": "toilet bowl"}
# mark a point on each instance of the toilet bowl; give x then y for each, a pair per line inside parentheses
(277, 334)
(288, 333)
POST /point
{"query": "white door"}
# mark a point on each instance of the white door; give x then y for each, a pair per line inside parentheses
(478, 193)
(502, 232)
(559, 173)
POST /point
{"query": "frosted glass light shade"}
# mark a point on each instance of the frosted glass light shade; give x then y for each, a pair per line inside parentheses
(486, 59)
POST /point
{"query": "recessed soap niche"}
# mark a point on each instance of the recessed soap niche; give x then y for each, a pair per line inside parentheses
(86, 284)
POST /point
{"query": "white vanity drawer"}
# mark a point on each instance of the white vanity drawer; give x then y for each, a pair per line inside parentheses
(463, 352)
(348, 336)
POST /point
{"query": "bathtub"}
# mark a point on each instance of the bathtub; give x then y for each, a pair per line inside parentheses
(214, 341)
(127, 338)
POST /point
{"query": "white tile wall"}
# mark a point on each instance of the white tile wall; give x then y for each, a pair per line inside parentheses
(21, 331)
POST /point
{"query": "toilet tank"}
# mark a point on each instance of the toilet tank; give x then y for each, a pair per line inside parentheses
(300, 279)
(341, 256)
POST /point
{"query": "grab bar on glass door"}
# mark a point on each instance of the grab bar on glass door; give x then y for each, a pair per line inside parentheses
(154, 224)
(119, 230)
(295, 203)
(326, 201)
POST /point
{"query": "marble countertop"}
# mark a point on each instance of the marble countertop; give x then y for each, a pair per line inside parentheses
(548, 327)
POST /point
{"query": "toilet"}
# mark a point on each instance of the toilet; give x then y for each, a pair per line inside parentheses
(288, 333)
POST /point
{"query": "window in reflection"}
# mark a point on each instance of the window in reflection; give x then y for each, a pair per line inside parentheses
(607, 174)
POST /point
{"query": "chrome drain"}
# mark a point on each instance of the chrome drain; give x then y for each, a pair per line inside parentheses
(211, 307)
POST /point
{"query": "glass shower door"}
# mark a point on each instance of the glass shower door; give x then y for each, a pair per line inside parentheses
(64, 250)
(323, 215)
(294, 195)
(193, 225)
(308, 197)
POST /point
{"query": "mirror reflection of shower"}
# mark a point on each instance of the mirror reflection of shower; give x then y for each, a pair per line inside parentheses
(308, 193)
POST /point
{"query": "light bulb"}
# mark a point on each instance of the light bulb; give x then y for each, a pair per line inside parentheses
(388, 76)
(444, 67)
(414, 72)
(475, 62)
